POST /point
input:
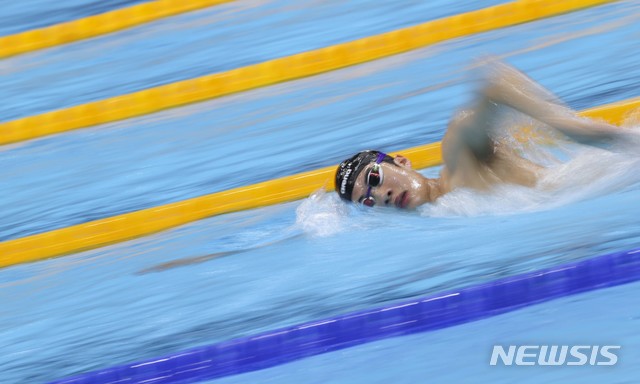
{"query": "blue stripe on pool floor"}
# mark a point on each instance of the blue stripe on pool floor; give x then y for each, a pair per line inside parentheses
(422, 314)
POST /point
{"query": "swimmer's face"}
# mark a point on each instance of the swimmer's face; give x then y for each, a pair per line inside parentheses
(402, 187)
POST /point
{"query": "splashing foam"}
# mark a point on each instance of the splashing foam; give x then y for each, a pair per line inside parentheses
(322, 214)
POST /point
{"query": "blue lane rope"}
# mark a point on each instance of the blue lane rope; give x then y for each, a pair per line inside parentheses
(422, 314)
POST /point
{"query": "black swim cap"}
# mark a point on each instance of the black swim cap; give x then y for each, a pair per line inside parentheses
(348, 171)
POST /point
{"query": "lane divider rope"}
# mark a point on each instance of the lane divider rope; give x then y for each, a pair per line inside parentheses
(97, 25)
(442, 310)
(285, 69)
(144, 222)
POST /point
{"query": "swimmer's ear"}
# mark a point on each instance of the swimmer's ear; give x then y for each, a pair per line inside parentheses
(401, 160)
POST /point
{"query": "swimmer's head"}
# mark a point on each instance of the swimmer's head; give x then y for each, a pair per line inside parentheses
(349, 170)
(375, 178)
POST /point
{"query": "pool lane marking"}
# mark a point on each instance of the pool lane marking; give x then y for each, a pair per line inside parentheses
(285, 69)
(132, 225)
(97, 25)
(420, 314)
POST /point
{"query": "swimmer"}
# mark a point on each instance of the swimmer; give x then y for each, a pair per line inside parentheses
(472, 157)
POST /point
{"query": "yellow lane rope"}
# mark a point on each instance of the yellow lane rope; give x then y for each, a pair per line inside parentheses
(285, 69)
(140, 223)
(97, 25)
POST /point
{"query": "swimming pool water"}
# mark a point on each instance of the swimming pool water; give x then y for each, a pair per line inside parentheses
(96, 309)
(199, 43)
(302, 125)
(20, 16)
(431, 356)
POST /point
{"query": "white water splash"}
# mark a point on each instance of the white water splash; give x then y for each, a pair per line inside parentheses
(322, 214)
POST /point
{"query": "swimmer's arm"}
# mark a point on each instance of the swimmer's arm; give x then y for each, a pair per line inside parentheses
(467, 141)
(508, 86)
(468, 137)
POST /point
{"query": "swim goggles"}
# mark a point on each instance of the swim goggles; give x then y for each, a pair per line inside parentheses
(373, 178)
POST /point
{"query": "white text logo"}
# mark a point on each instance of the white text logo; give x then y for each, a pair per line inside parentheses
(345, 178)
(555, 355)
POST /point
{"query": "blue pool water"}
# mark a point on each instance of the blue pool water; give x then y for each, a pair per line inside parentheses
(148, 161)
(95, 309)
(198, 43)
(468, 348)
(20, 16)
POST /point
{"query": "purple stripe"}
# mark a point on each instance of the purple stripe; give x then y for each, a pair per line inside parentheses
(422, 314)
